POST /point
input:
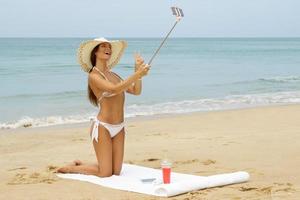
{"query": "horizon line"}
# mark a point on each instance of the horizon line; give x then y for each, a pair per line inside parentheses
(131, 37)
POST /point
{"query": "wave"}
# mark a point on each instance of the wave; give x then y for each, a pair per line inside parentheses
(74, 93)
(228, 102)
(275, 79)
(186, 106)
(46, 121)
(282, 79)
(21, 70)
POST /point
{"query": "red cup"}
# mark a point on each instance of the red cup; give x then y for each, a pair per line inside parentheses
(166, 171)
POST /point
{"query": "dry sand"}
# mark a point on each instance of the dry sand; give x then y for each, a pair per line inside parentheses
(264, 141)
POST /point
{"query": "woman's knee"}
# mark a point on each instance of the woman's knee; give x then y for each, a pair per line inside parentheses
(104, 171)
(104, 174)
(108, 173)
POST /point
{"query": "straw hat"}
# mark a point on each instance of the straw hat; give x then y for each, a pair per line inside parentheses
(85, 49)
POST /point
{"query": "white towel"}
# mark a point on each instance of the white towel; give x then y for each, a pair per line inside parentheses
(131, 175)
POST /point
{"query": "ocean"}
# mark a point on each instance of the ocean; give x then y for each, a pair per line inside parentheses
(41, 83)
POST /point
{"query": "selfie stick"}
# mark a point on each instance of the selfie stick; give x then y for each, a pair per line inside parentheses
(179, 14)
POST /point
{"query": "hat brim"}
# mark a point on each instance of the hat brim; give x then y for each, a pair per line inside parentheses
(85, 49)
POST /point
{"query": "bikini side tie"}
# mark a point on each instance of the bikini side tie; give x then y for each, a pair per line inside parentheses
(95, 130)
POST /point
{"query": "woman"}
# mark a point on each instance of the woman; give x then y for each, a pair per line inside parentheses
(106, 90)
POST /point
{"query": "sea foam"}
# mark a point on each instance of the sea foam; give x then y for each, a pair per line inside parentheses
(185, 106)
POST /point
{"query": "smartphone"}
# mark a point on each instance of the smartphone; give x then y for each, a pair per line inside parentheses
(148, 180)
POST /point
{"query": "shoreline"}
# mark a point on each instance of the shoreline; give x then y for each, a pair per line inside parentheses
(149, 117)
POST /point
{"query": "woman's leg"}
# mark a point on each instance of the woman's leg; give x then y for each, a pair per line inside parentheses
(82, 169)
(103, 150)
(118, 151)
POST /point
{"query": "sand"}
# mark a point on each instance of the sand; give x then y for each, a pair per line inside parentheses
(264, 141)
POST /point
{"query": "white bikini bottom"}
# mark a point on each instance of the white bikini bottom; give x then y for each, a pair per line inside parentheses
(113, 129)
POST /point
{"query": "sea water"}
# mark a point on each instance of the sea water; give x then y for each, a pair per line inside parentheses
(42, 84)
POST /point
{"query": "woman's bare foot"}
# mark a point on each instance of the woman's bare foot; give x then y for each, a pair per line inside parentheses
(69, 167)
(81, 169)
(66, 169)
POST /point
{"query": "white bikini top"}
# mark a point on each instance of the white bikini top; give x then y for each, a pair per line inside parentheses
(106, 94)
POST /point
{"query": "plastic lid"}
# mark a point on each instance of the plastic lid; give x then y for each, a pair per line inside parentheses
(166, 162)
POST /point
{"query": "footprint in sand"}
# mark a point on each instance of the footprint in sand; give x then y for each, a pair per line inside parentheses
(35, 177)
(17, 168)
(208, 162)
(51, 168)
(151, 159)
(277, 190)
(152, 162)
(23, 178)
(265, 190)
(186, 161)
(145, 160)
(245, 189)
(280, 184)
(282, 189)
(194, 194)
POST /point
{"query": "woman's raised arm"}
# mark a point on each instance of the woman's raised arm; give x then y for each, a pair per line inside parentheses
(107, 86)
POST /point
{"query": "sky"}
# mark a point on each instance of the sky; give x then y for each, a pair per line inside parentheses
(141, 18)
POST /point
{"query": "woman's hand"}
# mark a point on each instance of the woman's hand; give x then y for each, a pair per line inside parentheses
(143, 69)
(138, 61)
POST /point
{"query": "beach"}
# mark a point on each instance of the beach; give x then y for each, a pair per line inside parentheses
(264, 141)
(221, 96)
